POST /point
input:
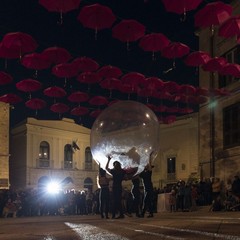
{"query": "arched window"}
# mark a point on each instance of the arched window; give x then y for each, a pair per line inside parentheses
(44, 154)
(68, 156)
(88, 183)
(88, 159)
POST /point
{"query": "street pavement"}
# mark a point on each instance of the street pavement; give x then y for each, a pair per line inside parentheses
(200, 224)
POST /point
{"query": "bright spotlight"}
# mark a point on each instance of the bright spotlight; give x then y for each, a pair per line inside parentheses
(53, 187)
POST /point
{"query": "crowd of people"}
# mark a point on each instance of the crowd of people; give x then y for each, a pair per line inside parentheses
(116, 202)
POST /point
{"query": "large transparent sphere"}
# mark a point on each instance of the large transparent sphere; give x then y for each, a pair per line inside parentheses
(128, 131)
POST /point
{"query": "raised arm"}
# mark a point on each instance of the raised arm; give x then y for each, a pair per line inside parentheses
(107, 165)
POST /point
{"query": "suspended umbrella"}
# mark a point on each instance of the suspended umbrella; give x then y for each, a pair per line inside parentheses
(29, 85)
(59, 108)
(85, 64)
(153, 83)
(78, 97)
(197, 58)
(151, 106)
(79, 111)
(187, 89)
(20, 42)
(57, 55)
(5, 78)
(213, 14)
(88, 78)
(133, 78)
(172, 109)
(8, 53)
(214, 64)
(153, 42)
(110, 83)
(201, 91)
(36, 61)
(128, 31)
(128, 88)
(161, 108)
(95, 113)
(98, 101)
(185, 110)
(230, 28)
(10, 98)
(55, 92)
(181, 6)
(171, 87)
(97, 17)
(35, 104)
(231, 69)
(62, 6)
(109, 71)
(162, 95)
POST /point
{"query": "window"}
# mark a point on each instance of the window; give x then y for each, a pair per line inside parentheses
(232, 56)
(171, 168)
(88, 183)
(68, 156)
(231, 126)
(44, 152)
(88, 159)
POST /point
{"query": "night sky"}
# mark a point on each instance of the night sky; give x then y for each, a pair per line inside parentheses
(32, 18)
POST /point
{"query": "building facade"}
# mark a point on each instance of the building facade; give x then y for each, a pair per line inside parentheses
(47, 150)
(219, 119)
(4, 145)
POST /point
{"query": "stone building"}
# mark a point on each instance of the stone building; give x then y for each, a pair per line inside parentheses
(49, 150)
(4, 145)
(219, 119)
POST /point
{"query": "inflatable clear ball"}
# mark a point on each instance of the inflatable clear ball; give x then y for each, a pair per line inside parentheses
(128, 131)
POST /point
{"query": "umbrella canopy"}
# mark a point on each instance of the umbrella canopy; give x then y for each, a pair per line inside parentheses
(230, 28)
(213, 14)
(5, 78)
(88, 77)
(79, 111)
(95, 113)
(214, 64)
(96, 16)
(35, 103)
(133, 78)
(85, 64)
(110, 83)
(197, 58)
(57, 55)
(59, 108)
(78, 97)
(29, 85)
(231, 69)
(10, 98)
(55, 92)
(8, 53)
(128, 30)
(65, 70)
(98, 101)
(175, 50)
(20, 42)
(35, 61)
(109, 71)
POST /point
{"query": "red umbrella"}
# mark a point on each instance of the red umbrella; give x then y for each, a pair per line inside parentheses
(197, 58)
(57, 55)
(171, 87)
(59, 108)
(98, 101)
(79, 111)
(175, 50)
(128, 31)
(28, 85)
(35, 103)
(19, 42)
(231, 69)
(214, 64)
(36, 61)
(5, 78)
(95, 113)
(61, 6)
(8, 53)
(110, 84)
(78, 97)
(181, 6)
(10, 98)
(201, 91)
(154, 42)
(109, 71)
(55, 92)
(89, 77)
(153, 83)
(96, 16)
(187, 89)
(213, 14)
(65, 70)
(133, 78)
(85, 64)
(230, 28)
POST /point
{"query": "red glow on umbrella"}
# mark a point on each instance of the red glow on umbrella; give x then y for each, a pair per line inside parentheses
(214, 64)
(55, 92)
(110, 83)
(78, 97)
(35, 61)
(230, 28)
(29, 85)
(197, 58)
(59, 108)
(128, 30)
(175, 50)
(153, 83)
(133, 78)
(98, 101)
(8, 53)
(95, 113)
(65, 70)
(187, 89)
(96, 16)
(5, 78)
(19, 42)
(171, 87)
(231, 69)
(85, 64)
(35, 103)
(57, 55)
(79, 111)
(88, 77)
(109, 71)
(10, 98)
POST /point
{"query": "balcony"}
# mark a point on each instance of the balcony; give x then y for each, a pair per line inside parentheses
(44, 163)
(68, 164)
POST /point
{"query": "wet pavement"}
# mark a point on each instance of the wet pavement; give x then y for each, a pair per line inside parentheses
(201, 224)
